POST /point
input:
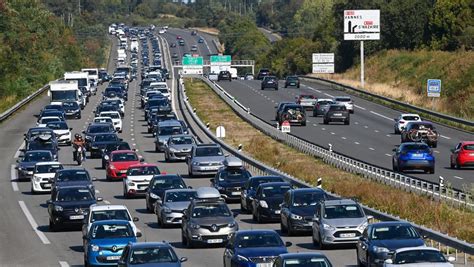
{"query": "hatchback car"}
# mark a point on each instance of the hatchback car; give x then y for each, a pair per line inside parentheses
(337, 113)
(138, 178)
(347, 101)
(165, 130)
(158, 185)
(250, 188)
(169, 211)
(269, 82)
(68, 177)
(413, 156)
(293, 113)
(179, 147)
(62, 131)
(302, 259)
(94, 129)
(267, 201)
(230, 179)
(43, 175)
(402, 120)
(72, 109)
(100, 141)
(418, 257)
(150, 254)
(462, 155)
(263, 73)
(322, 106)
(307, 101)
(205, 159)
(119, 162)
(292, 81)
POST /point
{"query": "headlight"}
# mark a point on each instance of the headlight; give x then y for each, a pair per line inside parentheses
(296, 217)
(173, 150)
(220, 188)
(263, 204)
(94, 248)
(195, 226)
(380, 249)
(195, 163)
(166, 210)
(152, 195)
(329, 227)
(37, 179)
(106, 157)
(94, 147)
(112, 167)
(20, 168)
(242, 258)
(232, 224)
(58, 208)
(363, 226)
(131, 184)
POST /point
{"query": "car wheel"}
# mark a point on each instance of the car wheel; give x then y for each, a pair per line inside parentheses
(254, 217)
(125, 195)
(432, 170)
(359, 263)
(156, 149)
(321, 246)
(283, 229)
(86, 263)
(435, 145)
(396, 131)
(33, 191)
(315, 243)
(303, 123)
(184, 241)
(394, 167)
(259, 218)
(52, 226)
(148, 206)
(325, 121)
(289, 229)
(457, 165)
(346, 122)
(242, 209)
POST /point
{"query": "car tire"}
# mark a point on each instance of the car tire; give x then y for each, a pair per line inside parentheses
(298, 86)
(325, 121)
(457, 165)
(259, 218)
(303, 123)
(242, 209)
(184, 241)
(254, 217)
(321, 246)
(125, 195)
(289, 230)
(283, 229)
(435, 145)
(359, 263)
(52, 226)
(86, 263)
(431, 170)
(394, 167)
(156, 149)
(396, 131)
(347, 122)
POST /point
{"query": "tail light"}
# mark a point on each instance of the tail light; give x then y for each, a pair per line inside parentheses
(401, 122)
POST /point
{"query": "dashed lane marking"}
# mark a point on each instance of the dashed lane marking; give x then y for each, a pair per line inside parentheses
(388, 155)
(343, 138)
(357, 143)
(380, 115)
(18, 152)
(359, 107)
(457, 177)
(376, 131)
(445, 137)
(63, 264)
(107, 202)
(326, 94)
(371, 148)
(333, 133)
(13, 178)
(33, 223)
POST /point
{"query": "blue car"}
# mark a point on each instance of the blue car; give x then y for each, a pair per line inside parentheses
(251, 248)
(150, 254)
(250, 188)
(379, 240)
(413, 156)
(104, 243)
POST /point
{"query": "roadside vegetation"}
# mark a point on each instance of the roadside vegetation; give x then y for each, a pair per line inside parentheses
(419, 209)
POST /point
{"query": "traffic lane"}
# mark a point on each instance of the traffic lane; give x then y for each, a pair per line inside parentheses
(368, 137)
(180, 50)
(205, 48)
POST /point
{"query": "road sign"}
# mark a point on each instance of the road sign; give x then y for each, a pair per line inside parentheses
(285, 127)
(323, 57)
(433, 87)
(193, 61)
(221, 60)
(362, 25)
(220, 132)
(323, 68)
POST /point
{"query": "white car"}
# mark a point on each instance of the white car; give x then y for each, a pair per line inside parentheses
(346, 101)
(43, 175)
(162, 31)
(116, 119)
(103, 120)
(45, 120)
(402, 120)
(138, 178)
(108, 212)
(418, 257)
(62, 131)
(166, 92)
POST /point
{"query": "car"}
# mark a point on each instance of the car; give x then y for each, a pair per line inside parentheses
(26, 166)
(338, 221)
(175, 55)
(412, 156)
(150, 254)
(158, 185)
(78, 176)
(43, 144)
(104, 243)
(169, 211)
(178, 37)
(186, 54)
(205, 159)
(201, 40)
(45, 120)
(69, 205)
(178, 147)
(298, 209)
(292, 113)
(263, 72)
(158, 117)
(224, 75)
(462, 155)
(418, 257)
(402, 120)
(138, 178)
(379, 239)
(322, 106)
(42, 133)
(116, 119)
(53, 106)
(194, 32)
(72, 109)
(52, 113)
(194, 48)
(62, 131)
(230, 179)
(292, 81)
(181, 42)
(307, 101)
(302, 259)
(247, 247)
(173, 45)
(103, 120)
(249, 189)
(266, 203)
(249, 77)
(100, 141)
(337, 113)
(279, 109)
(120, 145)
(119, 162)
(347, 101)
(421, 131)
(43, 175)
(108, 212)
(166, 129)
(95, 129)
(269, 82)
(207, 220)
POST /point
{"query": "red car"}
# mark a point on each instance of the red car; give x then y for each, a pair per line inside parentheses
(463, 155)
(119, 162)
(179, 37)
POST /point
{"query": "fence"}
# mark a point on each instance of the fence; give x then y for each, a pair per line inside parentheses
(5, 115)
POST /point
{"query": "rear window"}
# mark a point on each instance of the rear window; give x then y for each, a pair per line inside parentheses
(411, 118)
(468, 147)
(422, 126)
(343, 99)
(337, 108)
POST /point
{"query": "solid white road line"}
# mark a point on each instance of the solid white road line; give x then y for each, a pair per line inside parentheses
(326, 94)
(18, 152)
(33, 223)
(13, 177)
(388, 155)
(380, 115)
(63, 264)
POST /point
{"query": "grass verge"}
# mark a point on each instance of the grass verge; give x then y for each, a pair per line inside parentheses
(419, 209)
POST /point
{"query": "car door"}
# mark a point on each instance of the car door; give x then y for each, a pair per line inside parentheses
(455, 154)
(229, 252)
(363, 245)
(285, 209)
(256, 200)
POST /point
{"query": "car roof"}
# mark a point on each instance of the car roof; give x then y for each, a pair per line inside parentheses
(325, 99)
(180, 190)
(73, 169)
(149, 244)
(409, 114)
(275, 184)
(122, 151)
(48, 163)
(415, 248)
(40, 128)
(345, 97)
(143, 165)
(207, 145)
(207, 192)
(256, 231)
(467, 142)
(38, 150)
(169, 123)
(389, 223)
(345, 201)
(309, 189)
(420, 122)
(70, 186)
(108, 207)
(94, 124)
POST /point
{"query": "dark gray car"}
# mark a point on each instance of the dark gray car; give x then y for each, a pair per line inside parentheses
(205, 159)
(322, 105)
(337, 113)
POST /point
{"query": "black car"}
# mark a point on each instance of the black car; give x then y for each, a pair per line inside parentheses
(250, 188)
(230, 179)
(159, 105)
(102, 107)
(337, 113)
(72, 109)
(26, 165)
(100, 141)
(267, 201)
(263, 73)
(292, 81)
(120, 145)
(41, 144)
(298, 208)
(104, 76)
(96, 128)
(292, 113)
(69, 205)
(159, 184)
(165, 73)
(269, 82)
(70, 177)
(55, 107)
(224, 75)
(52, 113)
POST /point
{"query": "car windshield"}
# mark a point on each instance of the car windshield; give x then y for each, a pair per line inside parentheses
(105, 138)
(302, 199)
(57, 125)
(418, 256)
(143, 170)
(208, 151)
(256, 182)
(41, 146)
(102, 215)
(167, 183)
(182, 140)
(125, 157)
(170, 130)
(343, 99)
(46, 120)
(234, 174)
(337, 108)
(105, 231)
(112, 115)
(37, 156)
(342, 211)
(307, 97)
(70, 105)
(275, 191)
(292, 78)
(74, 194)
(307, 262)
(322, 103)
(152, 255)
(411, 118)
(211, 210)
(99, 129)
(48, 168)
(415, 147)
(468, 147)
(180, 196)
(293, 109)
(115, 146)
(423, 126)
(103, 120)
(72, 175)
(258, 240)
(393, 232)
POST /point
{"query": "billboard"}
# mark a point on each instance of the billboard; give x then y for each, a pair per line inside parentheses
(360, 25)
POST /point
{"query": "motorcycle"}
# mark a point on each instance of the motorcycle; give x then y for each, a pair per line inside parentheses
(79, 154)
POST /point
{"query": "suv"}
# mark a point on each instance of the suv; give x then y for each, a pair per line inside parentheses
(336, 112)
(207, 220)
(339, 221)
(262, 73)
(269, 82)
(224, 75)
(421, 131)
(292, 81)
(205, 159)
(231, 178)
(164, 131)
(347, 101)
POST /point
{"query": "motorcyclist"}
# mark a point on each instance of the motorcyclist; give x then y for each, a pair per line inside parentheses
(79, 142)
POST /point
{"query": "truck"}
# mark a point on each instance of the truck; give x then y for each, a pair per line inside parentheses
(82, 79)
(121, 55)
(134, 45)
(233, 73)
(62, 90)
(93, 78)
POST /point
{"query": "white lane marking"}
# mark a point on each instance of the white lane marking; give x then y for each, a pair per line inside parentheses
(366, 126)
(18, 152)
(356, 122)
(388, 155)
(357, 143)
(360, 107)
(333, 133)
(388, 135)
(33, 223)
(343, 138)
(315, 125)
(63, 264)
(436, 151)
(376, 131)
(324, 129)
(380, 115)
(457, 177)
(371, 148)
(107, 202)
(13, 178)
(445, 137)
(134, 144)
(326, 94)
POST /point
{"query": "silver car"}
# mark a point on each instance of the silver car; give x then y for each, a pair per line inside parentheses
(179, 147)
(339, 221)
(205, 159)
(346, 101)
(169, 211)
(165, 130)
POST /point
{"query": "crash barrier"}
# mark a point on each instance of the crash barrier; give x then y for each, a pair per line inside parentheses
(462, 250)
(5, 115)
(341, 87)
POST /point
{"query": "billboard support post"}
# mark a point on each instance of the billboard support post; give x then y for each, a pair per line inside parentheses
(362, 64)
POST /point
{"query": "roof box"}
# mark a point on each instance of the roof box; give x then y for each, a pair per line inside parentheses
(207, 192)
(233, 162)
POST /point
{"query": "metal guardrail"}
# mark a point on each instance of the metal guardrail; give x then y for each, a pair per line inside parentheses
(5, 115)
(258, 168)
(343, 87)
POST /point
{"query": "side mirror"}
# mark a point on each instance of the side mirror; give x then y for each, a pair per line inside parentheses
(120, 139)
(70, 129)
(94, 178)
(183, 259)
(288, 244)
(22, 150)
(452, 150)
(213, 180)
(139, 234)
(49, 201)
(135, 219)
(394, 150)
(99, 199)
(83, 132)
(190, 187)
(451, 259)
(370, 218)
(142, 160)
(388, 261)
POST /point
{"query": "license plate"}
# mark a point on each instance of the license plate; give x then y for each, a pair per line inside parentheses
(208, 168)
(113, 258)
(265, 264)
(277, 211)
(417, 155)
(348, 235)
(214, 241)
(47, 186)
(76, 217)
(270, 82)
(236, 193)
(337, 114)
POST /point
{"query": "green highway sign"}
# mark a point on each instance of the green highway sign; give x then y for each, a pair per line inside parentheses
(225, 59)
(187, 61)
